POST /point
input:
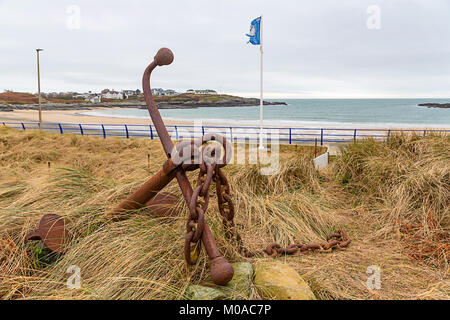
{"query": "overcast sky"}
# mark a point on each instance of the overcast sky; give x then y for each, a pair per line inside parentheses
(312, 49)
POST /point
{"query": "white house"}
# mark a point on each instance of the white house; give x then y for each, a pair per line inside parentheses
(162, 92)
(92, 97)
(112, 95)
(95, 98)
(204, 91)
(128, 93)
(80, 96)
(169, 92)
(158, 91)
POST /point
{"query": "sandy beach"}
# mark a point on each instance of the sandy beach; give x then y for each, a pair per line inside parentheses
(74, 116)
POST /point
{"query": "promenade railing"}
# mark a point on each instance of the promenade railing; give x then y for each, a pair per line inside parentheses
(232, 133)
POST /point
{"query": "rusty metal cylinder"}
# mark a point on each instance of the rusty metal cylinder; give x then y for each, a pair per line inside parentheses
(221, 270)
(164, 205)
(143, 195)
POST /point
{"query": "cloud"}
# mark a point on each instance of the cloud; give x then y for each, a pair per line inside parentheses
(311, 49)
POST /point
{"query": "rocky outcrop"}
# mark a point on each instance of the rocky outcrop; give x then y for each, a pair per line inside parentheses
(242, 279)
(242, 102)
(435, 105)
(276, 280)
(6, 108)
(176, 102)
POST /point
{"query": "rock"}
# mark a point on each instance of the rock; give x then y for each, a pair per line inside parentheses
(196, 292)
(275, 280)
(435, 105)
(240, 284)
(242, 279)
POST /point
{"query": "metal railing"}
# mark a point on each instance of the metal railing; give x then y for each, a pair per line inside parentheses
(234, 134)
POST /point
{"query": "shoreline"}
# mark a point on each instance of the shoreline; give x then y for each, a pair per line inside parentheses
(78, 116)
(73, 116)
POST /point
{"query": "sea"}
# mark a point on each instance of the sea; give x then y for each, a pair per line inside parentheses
(314, 113)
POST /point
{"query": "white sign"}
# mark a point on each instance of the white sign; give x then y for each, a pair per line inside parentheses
(321, 161)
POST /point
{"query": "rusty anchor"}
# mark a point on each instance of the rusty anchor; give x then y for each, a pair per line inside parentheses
(195, 154)
(197, 228)
(187, 155)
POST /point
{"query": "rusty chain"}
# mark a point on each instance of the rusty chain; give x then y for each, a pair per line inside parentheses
(210, 164)
(226, 208)
(209, 171)
(337, 240)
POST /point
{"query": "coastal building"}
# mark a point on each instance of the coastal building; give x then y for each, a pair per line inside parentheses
(203, 91)
(206, 91)
(170, 92)
(157, 91)
(96, 98)
(80, 96)
(111, 94)
(162, 92)
(108, 94)
(128, 93)
(91, 97)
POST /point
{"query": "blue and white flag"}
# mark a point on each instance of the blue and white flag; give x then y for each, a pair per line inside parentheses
(255, 32)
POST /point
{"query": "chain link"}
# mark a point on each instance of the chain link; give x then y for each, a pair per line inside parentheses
(337, 240)
(210, 170)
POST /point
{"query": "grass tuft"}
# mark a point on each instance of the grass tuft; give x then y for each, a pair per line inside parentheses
(382, 194)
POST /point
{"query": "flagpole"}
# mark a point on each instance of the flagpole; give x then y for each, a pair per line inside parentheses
(261, 87)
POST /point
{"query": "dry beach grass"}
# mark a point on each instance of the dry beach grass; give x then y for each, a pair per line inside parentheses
(392, 199)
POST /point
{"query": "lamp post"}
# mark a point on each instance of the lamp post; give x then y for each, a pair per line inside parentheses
(39, 88)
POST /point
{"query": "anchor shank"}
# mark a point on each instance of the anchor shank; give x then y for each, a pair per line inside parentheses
(221, 271)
